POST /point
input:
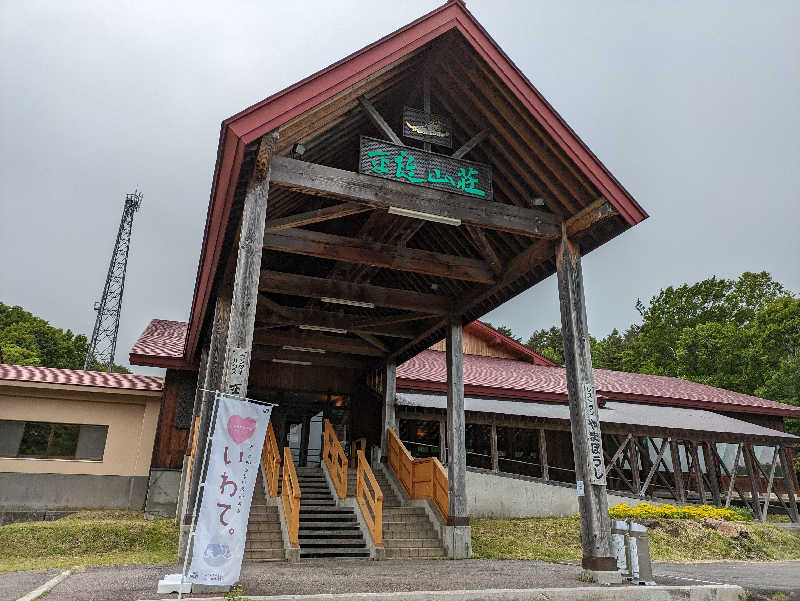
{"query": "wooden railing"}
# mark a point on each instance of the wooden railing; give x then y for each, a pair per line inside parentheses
(359, 444)
(335, 458)
(271, 458)
(422, 478)
(290, 495)
(370, 498)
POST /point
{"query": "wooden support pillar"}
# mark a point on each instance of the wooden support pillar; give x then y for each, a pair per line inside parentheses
(543, 454)
(493, 445)
(456, 451)
(183, 489)
(210, 379)
(787, 469)
(248, 272)
(701, 489)
(457, 516)
(389, 411)
(584, 417)
(732, 475)
(752, 476)
(633, 461)
(765, 509)
(677, 470)
(304, 438)
(443, 441)
(712, 469)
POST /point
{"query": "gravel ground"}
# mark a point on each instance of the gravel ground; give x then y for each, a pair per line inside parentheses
(122, 583)
(15, 584)
(761, 577)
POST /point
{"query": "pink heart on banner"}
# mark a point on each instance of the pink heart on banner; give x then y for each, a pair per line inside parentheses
(241, 428)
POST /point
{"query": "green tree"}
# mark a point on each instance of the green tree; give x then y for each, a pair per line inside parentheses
(26, 339)
(504, 330)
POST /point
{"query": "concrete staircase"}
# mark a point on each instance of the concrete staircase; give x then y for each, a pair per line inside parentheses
(326, 530)
(264, 539)
(407, 530)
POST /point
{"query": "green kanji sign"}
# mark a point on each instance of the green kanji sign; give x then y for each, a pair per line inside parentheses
(413, 166)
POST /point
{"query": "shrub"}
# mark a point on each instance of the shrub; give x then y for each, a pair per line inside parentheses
(689, 512)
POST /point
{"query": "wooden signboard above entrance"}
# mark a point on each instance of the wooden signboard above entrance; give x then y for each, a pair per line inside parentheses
(434, 129)
(414, 166)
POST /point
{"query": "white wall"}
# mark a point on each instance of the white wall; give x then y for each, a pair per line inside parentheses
(504, 496)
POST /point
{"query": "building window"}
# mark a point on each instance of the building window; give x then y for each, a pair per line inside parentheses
(44, 440)
(421, 437)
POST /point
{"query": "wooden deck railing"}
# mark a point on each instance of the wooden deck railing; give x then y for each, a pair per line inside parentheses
(271, 458)
(359, 444)
(422, 478)
(290, 495)
(335, 458)
(370, 498)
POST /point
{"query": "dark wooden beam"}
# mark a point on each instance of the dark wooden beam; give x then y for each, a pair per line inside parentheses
(471, 143)
(378, 121)
(486, 250)
(353, 250)
(325, 214)
(332, 343)
(519, 266)
(293, 316)
(267, 354)
(312, 178)
(313, 287)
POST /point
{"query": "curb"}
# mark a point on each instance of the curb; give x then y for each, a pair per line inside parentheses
(46, 587)
(723, 592)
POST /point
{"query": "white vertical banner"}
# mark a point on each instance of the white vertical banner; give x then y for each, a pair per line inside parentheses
(233, 464)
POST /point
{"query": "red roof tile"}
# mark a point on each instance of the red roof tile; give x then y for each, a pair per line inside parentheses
(518, 379)
(79, 377)
(161, 342)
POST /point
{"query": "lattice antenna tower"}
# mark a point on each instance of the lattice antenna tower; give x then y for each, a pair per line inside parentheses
(106, 325)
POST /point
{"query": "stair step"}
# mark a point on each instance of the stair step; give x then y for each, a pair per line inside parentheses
(411, 543)
(332, 525)
(425, 553)
(330, 536)
(330, 543)
(321, 552)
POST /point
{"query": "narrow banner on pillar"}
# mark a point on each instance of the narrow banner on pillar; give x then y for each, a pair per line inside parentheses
(233, 463)
(597, 466)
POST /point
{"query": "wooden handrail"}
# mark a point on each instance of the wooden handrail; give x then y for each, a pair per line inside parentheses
(335, 458)
(359, 444)
(422, 478)
(290, 495)
(271, 458)
(370, 498)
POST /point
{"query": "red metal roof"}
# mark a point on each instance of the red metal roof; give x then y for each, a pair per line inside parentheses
(269, 114)
(161, 344)
(79, 377)
(507, 378)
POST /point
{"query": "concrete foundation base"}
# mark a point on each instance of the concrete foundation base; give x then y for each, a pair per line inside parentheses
(602, 577)
(457, 541)
(204, 589)
(183, 541)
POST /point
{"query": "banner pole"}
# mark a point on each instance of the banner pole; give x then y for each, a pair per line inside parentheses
(201, 487)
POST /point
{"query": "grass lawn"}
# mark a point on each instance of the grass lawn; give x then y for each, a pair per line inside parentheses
(88, 539)
(558, 539)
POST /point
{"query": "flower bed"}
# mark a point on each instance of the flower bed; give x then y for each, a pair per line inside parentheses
(689, 512)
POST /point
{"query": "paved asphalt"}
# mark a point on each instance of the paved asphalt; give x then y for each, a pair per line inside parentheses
(766, 577)
(16, 584)
(126, 583)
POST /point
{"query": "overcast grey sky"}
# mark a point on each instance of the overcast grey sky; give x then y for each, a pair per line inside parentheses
(692, 105)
